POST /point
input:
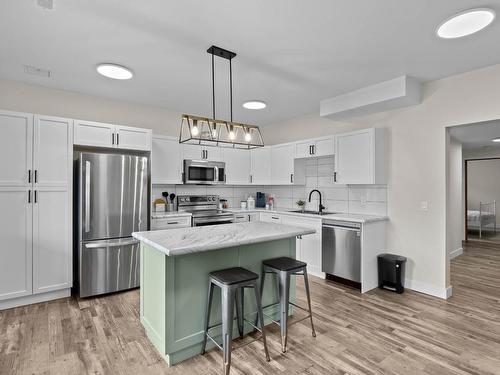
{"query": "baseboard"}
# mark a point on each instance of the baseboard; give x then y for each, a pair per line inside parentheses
(456, 253)
(34, 298)
(417, 286)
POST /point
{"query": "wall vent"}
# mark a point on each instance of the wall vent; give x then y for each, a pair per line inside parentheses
(33, 70)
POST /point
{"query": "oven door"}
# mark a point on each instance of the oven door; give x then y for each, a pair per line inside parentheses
(204, 221)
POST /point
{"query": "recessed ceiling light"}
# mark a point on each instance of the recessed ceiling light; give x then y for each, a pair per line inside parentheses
(496, 139)
(114, 71)
(254, 104)
(466, 23)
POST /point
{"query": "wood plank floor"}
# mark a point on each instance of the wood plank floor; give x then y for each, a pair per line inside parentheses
(375, 333)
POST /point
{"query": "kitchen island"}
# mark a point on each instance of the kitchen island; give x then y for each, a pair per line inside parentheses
(175, 265)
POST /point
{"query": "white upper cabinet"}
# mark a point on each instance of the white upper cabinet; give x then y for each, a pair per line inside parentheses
(360, 157)
(260, 166)
(324, 146)
(52, 150)
(282, 164)
(133, 138)
(315, 148)
(166, 161)
(89, 133)
(198, 152)
(15, 148)
(237, 166)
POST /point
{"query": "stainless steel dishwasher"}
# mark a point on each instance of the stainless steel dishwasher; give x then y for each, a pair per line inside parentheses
(341, 249)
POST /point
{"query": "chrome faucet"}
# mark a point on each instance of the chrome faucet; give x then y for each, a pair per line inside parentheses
(320, 207)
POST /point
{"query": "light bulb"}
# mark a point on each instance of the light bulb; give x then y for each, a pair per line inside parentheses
(194, 130)
(248, 137)
(214, 133)
(231, 133)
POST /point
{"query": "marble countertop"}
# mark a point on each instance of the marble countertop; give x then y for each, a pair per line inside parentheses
(355, 218)
(196, 239)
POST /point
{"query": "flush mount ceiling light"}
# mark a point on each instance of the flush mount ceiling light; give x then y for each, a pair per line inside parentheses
(496, 139)
(254, 104)
(465, 23)
(114, 71)
(213, 132)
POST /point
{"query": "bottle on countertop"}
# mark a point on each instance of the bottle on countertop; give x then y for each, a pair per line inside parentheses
(250, 203)
(271, 203)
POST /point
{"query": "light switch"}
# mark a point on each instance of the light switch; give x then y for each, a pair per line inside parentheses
(424, 205)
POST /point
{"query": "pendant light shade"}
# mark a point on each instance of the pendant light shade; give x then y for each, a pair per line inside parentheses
(213, 132)
(209, 132)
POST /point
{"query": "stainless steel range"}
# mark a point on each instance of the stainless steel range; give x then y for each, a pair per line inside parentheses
(204, 209)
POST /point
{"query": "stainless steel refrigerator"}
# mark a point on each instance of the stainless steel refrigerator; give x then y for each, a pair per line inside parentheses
(112, 202)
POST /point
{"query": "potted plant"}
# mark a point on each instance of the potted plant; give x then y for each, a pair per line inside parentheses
(301, 204)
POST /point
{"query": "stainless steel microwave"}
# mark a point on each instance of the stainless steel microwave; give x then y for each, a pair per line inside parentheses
(204, 172)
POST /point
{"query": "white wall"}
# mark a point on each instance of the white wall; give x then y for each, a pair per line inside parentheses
(417, 164)
(483, 183)
(455, 230)
(16, 96)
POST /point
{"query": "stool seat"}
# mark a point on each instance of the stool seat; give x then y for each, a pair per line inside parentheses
(234, 275)
(284, 263)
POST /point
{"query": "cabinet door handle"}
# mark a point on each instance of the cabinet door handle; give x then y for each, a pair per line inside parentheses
(313, 149)
(275, 218)
(251, 179)
(112, 138)
(291, 178)
(172, 222)
(36, 176)
(29, 176)
(117, 139)
(206, 154)
(334, 176)
(310, 151)
(36, 199)
(29, 196)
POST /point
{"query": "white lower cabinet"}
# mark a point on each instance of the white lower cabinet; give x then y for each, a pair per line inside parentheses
(51, 241)
(16, 250)
(35, 219)
(308, 247)
(269, 217)
(170, 222)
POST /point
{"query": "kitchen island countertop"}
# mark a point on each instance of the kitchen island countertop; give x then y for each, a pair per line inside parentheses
(181, 241)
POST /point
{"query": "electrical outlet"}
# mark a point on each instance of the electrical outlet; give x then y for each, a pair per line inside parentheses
(424, 205)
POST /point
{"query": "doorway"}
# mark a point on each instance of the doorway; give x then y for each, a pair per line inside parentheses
(482, 196)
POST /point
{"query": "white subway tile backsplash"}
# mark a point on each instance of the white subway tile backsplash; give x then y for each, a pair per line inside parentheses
(356, 199)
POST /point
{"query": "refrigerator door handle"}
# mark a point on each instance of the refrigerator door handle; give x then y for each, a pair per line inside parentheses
(95, 245)
(87, 196)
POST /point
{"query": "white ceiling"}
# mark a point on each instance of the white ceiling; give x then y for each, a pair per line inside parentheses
(291, 53)
(477, 136)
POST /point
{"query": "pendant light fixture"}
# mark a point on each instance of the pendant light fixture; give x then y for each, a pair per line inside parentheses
(213, 132)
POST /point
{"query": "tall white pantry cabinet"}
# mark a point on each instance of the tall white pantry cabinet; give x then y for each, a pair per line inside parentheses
(36, 156)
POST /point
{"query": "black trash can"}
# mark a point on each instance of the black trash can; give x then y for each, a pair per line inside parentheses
(391, 272)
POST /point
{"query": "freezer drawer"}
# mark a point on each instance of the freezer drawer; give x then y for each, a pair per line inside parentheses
(341, 250)
(108, 266)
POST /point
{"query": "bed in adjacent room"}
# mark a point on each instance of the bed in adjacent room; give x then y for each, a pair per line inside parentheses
(484, 218)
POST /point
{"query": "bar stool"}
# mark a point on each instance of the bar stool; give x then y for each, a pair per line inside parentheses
(232, 282)
(285, 267)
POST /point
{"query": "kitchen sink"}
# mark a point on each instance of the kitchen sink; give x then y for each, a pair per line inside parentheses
(313, 212)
